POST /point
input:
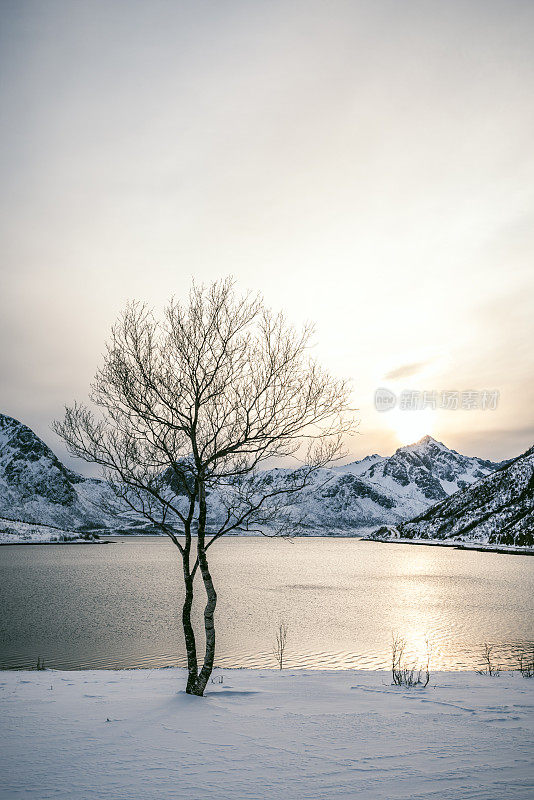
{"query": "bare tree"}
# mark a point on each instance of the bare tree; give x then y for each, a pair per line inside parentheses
(190, 409)
(280, 644)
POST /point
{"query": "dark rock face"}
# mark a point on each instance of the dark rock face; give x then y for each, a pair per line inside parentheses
(496, 510)
(348, 488)
(30, 467)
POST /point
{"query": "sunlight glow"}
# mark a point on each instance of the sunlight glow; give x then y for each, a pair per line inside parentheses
(410, 426)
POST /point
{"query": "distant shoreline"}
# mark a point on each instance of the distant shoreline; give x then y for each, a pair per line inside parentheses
(112, 539)
(74, 541)
(486, 548)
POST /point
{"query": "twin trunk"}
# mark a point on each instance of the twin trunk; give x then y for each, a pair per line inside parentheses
(197, 680)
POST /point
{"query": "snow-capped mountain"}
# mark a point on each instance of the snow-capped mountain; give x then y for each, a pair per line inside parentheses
(390, 489)
(496, 510)
(433, 468)
(36, 487)
(382, 490)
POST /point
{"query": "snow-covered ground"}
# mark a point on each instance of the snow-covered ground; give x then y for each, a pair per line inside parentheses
(16, 532)
(296, 735)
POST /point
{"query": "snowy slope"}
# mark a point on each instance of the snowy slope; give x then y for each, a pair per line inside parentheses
(497, 510)
(36, 487)
(15, 532)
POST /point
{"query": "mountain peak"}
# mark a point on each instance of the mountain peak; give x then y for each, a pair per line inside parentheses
(422, 444)
(427, 440)
(35, 486)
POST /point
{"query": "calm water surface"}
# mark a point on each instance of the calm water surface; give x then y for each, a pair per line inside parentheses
(119, 605)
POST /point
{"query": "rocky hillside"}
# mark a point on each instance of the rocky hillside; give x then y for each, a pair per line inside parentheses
(36, 487)
(497, 510)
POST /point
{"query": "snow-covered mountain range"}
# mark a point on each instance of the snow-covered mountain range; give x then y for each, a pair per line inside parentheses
(36, 487)
(497, 510)
(392, 488)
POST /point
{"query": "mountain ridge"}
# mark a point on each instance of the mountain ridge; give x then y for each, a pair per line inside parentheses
(36, 487)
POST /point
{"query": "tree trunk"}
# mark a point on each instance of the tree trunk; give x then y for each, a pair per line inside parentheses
(209, 626)
(189, 635)
(209, 610)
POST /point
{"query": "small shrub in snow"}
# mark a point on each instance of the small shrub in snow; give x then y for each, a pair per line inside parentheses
(490, 667)
(404, 674)
(280, 644)
(526, 662)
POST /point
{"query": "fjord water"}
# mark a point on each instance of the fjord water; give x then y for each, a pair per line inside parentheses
(119, 605)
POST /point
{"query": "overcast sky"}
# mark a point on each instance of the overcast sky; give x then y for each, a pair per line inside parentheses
(366, 165)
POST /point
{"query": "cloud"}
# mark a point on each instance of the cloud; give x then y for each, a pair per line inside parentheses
(405, 371)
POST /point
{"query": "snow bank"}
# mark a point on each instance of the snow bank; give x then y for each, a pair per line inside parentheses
(134, 735)
(458, 544)
(16, 532)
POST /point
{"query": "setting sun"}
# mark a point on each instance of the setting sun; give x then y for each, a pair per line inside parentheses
(410, 426)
